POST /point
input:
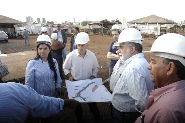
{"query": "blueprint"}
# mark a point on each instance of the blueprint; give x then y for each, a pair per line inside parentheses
(88, 91)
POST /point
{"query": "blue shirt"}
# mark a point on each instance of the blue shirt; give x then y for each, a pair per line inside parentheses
(112, 50)
(17, 100)
(40, 77)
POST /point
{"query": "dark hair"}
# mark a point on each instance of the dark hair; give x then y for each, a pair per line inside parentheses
(139, 47)
(180, 67)
(77, 29)
(50, 60)
(119, 31)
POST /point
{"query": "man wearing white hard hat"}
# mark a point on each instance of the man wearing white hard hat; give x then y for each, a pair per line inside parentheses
(81, 64)
(131, 90)
(112, 54)
(167, 72)
(56, 49)
(62, 38)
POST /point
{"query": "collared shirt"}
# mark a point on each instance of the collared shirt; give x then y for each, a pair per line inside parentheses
(18, 100)
(133, 87)
(166, 104)
(81, 67)
(117, 71)
(40, 77)
(60, 38)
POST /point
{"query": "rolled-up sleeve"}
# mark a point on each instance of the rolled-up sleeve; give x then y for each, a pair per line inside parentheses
(30, 74)
(67, 64)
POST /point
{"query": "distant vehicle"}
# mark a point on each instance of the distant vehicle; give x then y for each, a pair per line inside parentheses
(3, 36)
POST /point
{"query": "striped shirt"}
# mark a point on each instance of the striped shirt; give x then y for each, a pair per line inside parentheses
(81, 67)
(117, 71)
(133, 87)
(40, 77)
(17, 100)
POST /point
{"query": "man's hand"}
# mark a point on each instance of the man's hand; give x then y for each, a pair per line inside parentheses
(92, 77)
(105, 83)
(70, 103)
(70, 77)
(59, 92)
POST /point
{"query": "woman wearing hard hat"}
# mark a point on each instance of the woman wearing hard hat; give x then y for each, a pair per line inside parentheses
(42, 73)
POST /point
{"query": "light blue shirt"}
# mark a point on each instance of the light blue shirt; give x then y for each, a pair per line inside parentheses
(40, 77)
(17, 100)
(0, 62)
(133, 87)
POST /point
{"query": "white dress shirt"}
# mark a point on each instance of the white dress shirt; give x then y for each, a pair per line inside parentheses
(133, 87)
(81, 67)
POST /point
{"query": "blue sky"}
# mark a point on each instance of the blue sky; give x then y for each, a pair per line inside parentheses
(96, 10)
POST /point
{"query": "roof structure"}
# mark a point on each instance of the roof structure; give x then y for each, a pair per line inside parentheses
(4, 19)
(8, 22)
(151, 20)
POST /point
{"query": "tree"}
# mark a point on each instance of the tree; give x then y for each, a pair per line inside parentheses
(84, 23)
(105, 20)
(183, 26)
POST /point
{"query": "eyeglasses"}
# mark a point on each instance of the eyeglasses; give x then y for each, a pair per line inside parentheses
(58, 26)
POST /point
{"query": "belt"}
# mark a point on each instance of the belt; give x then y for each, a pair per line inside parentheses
(128, 113)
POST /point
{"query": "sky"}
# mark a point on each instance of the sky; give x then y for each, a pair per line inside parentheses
(92, 10)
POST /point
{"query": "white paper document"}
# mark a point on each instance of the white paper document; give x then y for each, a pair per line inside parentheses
(88, 91)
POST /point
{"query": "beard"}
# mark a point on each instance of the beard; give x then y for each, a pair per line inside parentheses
(125, 56)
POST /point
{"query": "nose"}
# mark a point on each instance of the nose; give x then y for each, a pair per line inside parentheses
(149, 66)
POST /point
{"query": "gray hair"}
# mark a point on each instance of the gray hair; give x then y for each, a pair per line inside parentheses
(138, 46)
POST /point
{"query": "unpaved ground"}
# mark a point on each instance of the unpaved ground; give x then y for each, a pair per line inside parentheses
(16, 57)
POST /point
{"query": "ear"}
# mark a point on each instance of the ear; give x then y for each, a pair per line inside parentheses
(132, 49)
(171, 68)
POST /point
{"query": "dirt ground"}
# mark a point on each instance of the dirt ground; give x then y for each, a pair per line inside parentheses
(18, 54)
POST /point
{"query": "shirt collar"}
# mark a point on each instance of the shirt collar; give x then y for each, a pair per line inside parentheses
(77, 53)
(157, 93)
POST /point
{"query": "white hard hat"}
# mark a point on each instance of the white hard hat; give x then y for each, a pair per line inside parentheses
(54, 36)
(129, 35)
(43, 29)
(170, 46)
(116, 27)
(57, 23)
(45, 39)
(82, 38)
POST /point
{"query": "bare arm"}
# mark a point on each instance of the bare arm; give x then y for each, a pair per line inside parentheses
(112, 56)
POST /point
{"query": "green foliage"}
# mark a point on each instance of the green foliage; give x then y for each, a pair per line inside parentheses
(105, 20)
(84, 23)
